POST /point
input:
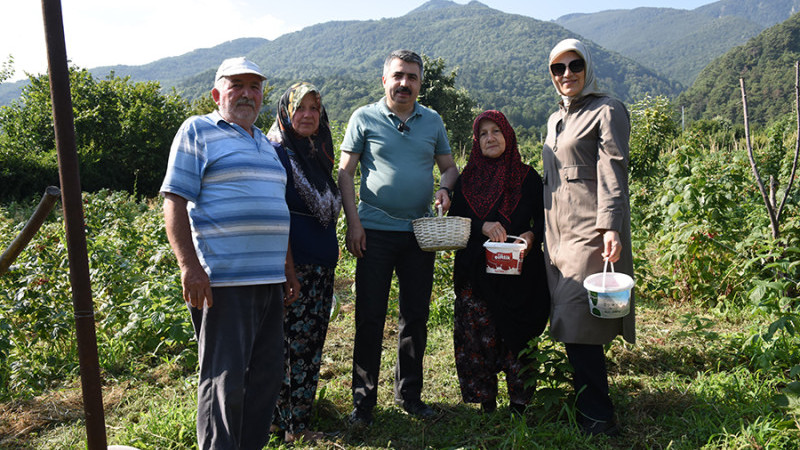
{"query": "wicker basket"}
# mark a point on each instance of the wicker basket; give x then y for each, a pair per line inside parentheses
(441, 233)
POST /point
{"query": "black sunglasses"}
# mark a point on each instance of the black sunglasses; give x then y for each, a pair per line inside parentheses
(575, 66)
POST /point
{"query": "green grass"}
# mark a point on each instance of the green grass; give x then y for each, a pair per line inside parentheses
(678, 388)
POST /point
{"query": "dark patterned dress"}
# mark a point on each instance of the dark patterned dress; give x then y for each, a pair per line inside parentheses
(497, 315)
(314, 203)
(305, 326)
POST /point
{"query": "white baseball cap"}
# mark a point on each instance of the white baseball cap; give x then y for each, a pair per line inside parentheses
(238, 66)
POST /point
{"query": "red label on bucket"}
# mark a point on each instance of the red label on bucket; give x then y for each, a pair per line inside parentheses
(504, 258)
(501, 262)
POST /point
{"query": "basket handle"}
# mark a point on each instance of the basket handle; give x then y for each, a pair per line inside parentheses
(509, 236)
(605, 268)
(439, 207)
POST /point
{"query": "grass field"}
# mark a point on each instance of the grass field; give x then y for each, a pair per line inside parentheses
(684, 385)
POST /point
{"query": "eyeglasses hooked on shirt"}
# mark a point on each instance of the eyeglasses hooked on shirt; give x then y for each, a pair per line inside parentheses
(403, 127)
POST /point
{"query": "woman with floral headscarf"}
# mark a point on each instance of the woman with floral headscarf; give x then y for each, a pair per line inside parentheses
(587, 221)
(314, 202)
(497, 315)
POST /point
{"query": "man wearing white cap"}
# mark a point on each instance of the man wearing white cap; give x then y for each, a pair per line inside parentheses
(228, 224)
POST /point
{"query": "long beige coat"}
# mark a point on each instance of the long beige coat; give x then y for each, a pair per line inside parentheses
(585, 159)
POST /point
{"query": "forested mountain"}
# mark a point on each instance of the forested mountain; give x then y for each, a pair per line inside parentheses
(168, 71)
(764, 12)
(766, 63)
(501, 60)
(171, 71)
(679, 43)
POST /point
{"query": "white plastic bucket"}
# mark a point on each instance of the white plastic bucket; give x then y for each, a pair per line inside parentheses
(505, 258)
(609, 293)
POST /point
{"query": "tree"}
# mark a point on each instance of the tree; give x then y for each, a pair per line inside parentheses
(7, 69)
(123, 134)
(774, 208)
(653, 127)
(438, 92)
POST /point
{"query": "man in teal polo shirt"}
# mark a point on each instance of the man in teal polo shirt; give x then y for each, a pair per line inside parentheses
(397, 141)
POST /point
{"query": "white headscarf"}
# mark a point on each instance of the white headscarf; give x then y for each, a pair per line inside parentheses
(590, 83)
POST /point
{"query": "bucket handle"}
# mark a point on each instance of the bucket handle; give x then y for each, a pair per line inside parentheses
(527, 244)
(605, 269)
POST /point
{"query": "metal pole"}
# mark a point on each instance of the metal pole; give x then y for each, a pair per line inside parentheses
(74, 224)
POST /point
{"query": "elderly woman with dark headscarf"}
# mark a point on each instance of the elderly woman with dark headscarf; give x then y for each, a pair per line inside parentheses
(314, 202)
(587, 220)
(496, 315)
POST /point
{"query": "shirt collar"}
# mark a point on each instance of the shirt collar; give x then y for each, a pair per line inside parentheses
(217, 118)
(386, 111)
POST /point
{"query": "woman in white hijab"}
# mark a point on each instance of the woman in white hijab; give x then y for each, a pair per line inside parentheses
(587, 221)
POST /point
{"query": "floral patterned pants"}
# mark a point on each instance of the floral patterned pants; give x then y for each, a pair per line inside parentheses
(305, 325)
(480, 353)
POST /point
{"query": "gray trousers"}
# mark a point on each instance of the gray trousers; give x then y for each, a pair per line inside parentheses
(240, 347)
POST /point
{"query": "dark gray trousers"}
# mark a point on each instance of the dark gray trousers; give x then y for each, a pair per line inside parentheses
(240, 347)
(389, 252)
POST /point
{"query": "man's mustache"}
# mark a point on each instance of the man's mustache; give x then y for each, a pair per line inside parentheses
(402, 90)
(246, 102)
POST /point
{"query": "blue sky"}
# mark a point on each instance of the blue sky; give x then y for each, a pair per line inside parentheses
(108, 32)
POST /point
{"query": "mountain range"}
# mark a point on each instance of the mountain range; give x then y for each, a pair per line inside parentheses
(500, 58)
(679, 43)
(765, 63)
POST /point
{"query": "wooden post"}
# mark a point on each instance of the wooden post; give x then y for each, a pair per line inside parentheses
(64, 124)
(46, 204)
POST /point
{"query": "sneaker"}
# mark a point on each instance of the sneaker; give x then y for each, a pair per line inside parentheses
(592, 427)
(416, 408)
(360, 417)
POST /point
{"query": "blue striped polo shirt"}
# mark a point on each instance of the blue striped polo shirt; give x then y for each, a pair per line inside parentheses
(236, 186)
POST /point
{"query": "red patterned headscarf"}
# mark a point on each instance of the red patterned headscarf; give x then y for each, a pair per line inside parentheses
(485, 181)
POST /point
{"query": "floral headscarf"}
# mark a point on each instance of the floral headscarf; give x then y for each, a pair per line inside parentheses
(311, 157)
(485, 181)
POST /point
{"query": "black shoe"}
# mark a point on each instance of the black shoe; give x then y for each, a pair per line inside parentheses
(416, 408)
(488, 406)
(592, 427)
(360, 417)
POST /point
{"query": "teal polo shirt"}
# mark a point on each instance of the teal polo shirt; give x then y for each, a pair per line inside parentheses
(396, 166)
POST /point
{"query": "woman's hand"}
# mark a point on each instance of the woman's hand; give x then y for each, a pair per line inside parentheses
(528, 239)
(612, 248)
(494, 231)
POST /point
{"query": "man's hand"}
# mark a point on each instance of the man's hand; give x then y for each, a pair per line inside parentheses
(196, 287)
(356, 239)
(195, 282)
(442, 198)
